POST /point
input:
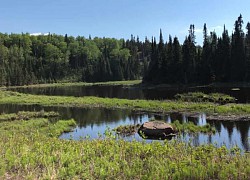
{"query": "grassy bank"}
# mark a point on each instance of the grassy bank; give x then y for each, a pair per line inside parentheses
(202, 97)
(140, 105)
(26, 115)
(67, 84)
(31, 150)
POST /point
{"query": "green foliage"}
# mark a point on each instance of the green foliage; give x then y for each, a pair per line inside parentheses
(126, 130)
(220, 59)
(148, 105)
(26, 59)
(26, 115)
(201, 97)
(190, 127)
(31, 150)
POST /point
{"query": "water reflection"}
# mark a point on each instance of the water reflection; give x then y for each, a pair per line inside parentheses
(95, 121)
(243, 95)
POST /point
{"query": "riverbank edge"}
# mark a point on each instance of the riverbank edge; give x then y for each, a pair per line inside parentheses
(68, 84)
(154, 106)
(233, 85)
(135, 83)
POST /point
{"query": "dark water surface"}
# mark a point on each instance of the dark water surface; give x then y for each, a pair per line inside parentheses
(93, 123)
(242, 94)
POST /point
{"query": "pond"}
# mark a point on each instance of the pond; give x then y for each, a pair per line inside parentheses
(93, 122)
(242, 94)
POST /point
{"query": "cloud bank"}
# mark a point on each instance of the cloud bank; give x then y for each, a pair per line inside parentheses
(39, 34)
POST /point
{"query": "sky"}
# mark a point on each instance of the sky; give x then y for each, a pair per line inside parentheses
(121, 18)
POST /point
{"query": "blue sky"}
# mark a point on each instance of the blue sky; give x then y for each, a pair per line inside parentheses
(121, 18)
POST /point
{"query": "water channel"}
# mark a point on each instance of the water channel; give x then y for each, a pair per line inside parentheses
(241, 94)
(93, 123)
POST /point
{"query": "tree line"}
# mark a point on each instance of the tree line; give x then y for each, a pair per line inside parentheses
(220, 59)
(27, 59)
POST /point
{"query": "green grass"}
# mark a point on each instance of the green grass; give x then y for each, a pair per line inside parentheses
(202, 97)
(26, 115)
(113, 83)
(127, 130)
(190, 127)
(8, 97)
(31, 150)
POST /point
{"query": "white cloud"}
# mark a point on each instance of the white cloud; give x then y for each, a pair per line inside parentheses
(197, 30)
(200, 30)
(39, 34)
(215, 28)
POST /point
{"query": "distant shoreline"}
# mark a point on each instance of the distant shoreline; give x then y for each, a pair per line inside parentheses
(136, 83)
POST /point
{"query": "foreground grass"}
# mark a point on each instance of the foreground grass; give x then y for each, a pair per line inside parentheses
(31, 150)
(113, 83)
(143, 105)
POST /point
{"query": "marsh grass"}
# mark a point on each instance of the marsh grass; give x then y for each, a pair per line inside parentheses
(31, 150)
(8, 97)
(202, 97)
(26, 115)
(126, 130)
(190, 127)
(68, 84)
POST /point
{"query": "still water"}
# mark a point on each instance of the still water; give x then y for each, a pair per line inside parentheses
(93, 123)
(242, 94)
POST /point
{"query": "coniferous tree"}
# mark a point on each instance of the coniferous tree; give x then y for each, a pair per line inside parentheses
(238, 52)
(177, 61)
(222, 59)
(214, 61)
(204, 72)
(162, 59)
(186, 60)
(169, 67)
(26, 59)
(3, 64)
(189, 54)
(247, 52)
(153, 68)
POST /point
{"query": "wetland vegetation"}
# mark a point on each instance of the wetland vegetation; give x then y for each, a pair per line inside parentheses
(202, 97)
(68, 84)
(26, 115)
(31, 150)
(126, 130)
(188, 127)
(138, 105)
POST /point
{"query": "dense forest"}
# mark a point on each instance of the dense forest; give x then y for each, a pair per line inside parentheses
(28, 59)
(220, 59)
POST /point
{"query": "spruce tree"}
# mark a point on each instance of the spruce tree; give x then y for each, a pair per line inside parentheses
(177, 61)
(247, 49)
(204, 71)
(238, 52)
